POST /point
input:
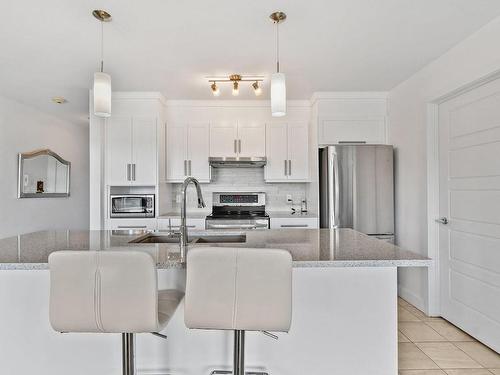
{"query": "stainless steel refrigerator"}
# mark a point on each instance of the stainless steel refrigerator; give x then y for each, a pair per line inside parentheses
(356, 184)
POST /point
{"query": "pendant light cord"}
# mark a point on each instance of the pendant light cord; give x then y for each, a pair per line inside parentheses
(277, 46)
(102, 46)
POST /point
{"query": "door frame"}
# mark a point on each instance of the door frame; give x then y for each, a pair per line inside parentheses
(433, 276)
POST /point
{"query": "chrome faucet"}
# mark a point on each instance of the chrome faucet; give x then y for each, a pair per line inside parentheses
(201, 204)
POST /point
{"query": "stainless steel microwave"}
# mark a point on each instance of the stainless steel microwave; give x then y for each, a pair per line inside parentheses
(132, 205)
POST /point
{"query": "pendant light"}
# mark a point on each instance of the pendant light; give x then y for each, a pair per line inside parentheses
(278, 84)
(102, 81)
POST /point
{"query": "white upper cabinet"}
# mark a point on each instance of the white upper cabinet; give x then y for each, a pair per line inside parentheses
(131, 151)
(287, 152)
(277, 152)
(251, 139)
(366, 130)
(144, 151)
(187, 152)
(243, 139)
(118, 150)
(223, 139)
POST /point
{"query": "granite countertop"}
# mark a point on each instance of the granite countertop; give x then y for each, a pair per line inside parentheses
(190, 215)
(272, 214)
(309, 248)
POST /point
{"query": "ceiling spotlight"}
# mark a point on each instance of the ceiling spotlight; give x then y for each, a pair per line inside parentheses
(256, 88)
(236, 89)
(58, 100)
(215, 89)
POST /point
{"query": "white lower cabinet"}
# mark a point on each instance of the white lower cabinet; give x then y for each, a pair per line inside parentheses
(298, 223)
(131, 224)
(175, 224)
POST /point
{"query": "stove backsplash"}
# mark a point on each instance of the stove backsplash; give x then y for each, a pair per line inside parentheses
(243, 179)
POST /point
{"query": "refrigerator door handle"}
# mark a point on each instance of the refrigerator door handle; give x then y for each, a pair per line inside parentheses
(336, 191)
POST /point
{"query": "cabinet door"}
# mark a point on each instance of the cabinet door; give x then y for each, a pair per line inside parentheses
(198, 151)
(176, 152)
(276, 151)
(144, 155)
(294, 223)
(223, 138)
(251, 139)
(298, 152)
(118, 150)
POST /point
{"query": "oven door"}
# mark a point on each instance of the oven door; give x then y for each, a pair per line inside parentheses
(251, 224)
(132, 206)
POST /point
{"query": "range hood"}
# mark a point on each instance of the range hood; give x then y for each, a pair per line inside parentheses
(237, 162)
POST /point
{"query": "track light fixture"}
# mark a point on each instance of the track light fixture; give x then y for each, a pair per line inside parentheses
(256, 88)
(215, 89)
(236, 79)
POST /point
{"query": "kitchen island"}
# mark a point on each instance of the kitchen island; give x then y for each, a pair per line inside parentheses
(344, 307)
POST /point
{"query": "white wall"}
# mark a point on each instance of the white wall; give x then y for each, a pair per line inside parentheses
(23, 129)
(473, 58)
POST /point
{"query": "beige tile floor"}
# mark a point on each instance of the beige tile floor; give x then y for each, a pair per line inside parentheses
(433, 346)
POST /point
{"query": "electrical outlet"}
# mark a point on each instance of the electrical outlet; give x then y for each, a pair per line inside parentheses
(289, 198)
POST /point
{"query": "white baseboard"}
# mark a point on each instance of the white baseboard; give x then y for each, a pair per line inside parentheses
(412, 298)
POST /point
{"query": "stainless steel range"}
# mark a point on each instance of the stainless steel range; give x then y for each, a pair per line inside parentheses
(244, 211)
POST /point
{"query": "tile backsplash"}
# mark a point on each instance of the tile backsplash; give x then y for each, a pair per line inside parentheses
(243, 180)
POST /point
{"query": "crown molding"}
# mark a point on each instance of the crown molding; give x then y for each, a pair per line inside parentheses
(234, 103)
(333, 95)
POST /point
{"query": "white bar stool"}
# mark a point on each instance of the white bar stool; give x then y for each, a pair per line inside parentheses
(109, 292)
(241, 290)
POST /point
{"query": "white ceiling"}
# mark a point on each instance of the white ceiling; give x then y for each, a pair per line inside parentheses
(51, 47)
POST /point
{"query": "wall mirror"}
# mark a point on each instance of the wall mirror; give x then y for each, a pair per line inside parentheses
(43, 174)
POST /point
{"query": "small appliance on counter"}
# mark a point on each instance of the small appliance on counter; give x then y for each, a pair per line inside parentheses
(356, 189)
(132, 206)
(244, 211)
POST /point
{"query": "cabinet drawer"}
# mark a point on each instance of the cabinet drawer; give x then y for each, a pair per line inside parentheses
(291, 223)
(126, 224)
(175, 223)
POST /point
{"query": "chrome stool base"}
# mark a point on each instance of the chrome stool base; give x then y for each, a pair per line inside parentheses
(238, 358)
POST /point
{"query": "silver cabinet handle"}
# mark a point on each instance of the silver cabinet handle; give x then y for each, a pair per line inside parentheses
(239, 146)
(178, 226)
(133, 172)
(235, 147)
(185, 167)
(285, 168)
(294, 226)
(442, 220)
(189, 168)
(132, 226)
(128, 172)
(229, 226)
(289, 167)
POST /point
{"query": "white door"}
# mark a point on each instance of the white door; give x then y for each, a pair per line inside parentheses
(223, 139)
(276, 151)
(198, 151)
(298, 148)
(144, 155)
(176, 162)
(118, 150)
(469, 245)
(251, 139)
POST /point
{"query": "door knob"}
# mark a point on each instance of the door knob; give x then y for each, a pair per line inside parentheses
(442, 220)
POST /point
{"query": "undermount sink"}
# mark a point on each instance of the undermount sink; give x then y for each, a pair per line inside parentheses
(194, 238)
(221, 238)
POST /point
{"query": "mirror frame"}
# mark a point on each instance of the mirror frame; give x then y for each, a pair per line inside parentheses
(29, 155)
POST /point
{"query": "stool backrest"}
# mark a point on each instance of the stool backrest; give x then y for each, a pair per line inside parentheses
(238, 289)
(103, 291)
